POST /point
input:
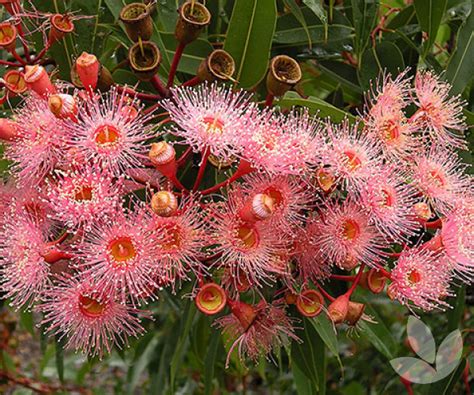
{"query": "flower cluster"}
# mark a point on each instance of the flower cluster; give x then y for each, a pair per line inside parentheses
(302, 202)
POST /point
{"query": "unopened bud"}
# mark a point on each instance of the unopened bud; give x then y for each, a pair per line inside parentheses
(161, 153)
(259, 207)
(8, 129)
(37, 79)
(338, 309)
(354, 312)
(284, 73)
(144, 58)
(310, 303)
(211, 299)
(87, 68)
(164, 203)
(193, 17)
(219, 65)
(137, 21)
(63, 106)
(244, 312)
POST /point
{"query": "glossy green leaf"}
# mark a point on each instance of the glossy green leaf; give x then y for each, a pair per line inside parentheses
(143, 355)
(249, 39)
(326, 331)
(317, 7)
(315, 106)
(461, 65)
(430, 14)
(210, 361)
(384, 57)
(365, 18)
(59, 352)
(298, 14)
(304, 386)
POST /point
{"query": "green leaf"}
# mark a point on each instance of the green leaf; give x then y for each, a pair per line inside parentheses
(384, 57)
(429, 14)
(249, 39)
(326, 331)
(296, 11)
(458, 303)
(143, 355)
(210, 361)
(315, 106)
(185, 327)
(304, 386)
(290, 31)
(341, 72)
(461, 64)
(365, 17)
(26, 319)
(318, 9)
(60, 343)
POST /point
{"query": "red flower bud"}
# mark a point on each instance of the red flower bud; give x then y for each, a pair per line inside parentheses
(338, 309)
(8, 129)
(87, 68)
(38, 80)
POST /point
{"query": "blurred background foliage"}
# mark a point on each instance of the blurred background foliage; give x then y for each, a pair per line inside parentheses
(342, 46)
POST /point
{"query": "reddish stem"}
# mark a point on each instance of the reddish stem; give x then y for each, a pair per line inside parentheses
(8, 63)
(341, 277)
(384, 273)
(407, 385)
(243, 169)
(466, 378)
(326, 295)
(138, 95)
(174, 64)
(41, 53)
(202, 169)
(436, 224)
(182, 159)
(356, 281)
(192, 82)
(18, 57)
(158, 85)
(269, 100)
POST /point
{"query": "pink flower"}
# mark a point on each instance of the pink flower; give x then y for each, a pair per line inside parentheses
(81, 196)
(23, 269)
(210, 116)
(280, 144)
(457, 238)
(40, 144)
(438, 113)
(311, 262)
(290, 197)
(256, 330)
(389, 201)
(119, 255)
(389, 94)
(353, 156)
(107, 136)
(421, 277)
(182, 238)
(346, 234)
(440, 176)
(249, 248)
(93, 325)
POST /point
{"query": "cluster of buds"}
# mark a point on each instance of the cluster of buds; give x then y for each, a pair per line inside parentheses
(382, 204)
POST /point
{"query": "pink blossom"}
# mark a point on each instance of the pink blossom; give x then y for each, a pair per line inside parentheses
(421, 277)
(291, 197)
(23, 269)
(40, 145)
(389, 201)
(346, 234)
(79, 197)
(280, 144)
(353, 156)
(210, 116)
(182, 238)
(118, 255)
(256, 330)
(106, 136)
(439, 113)
(249, 248)
(440, 177)
(457, 237)
(72, 308)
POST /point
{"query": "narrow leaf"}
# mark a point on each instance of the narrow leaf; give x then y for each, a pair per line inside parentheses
(430, 13)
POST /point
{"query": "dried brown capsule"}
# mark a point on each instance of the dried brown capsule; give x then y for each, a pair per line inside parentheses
(144, 58)
(284, 73)
(193, 17)
(137, 21)
(219, 65)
